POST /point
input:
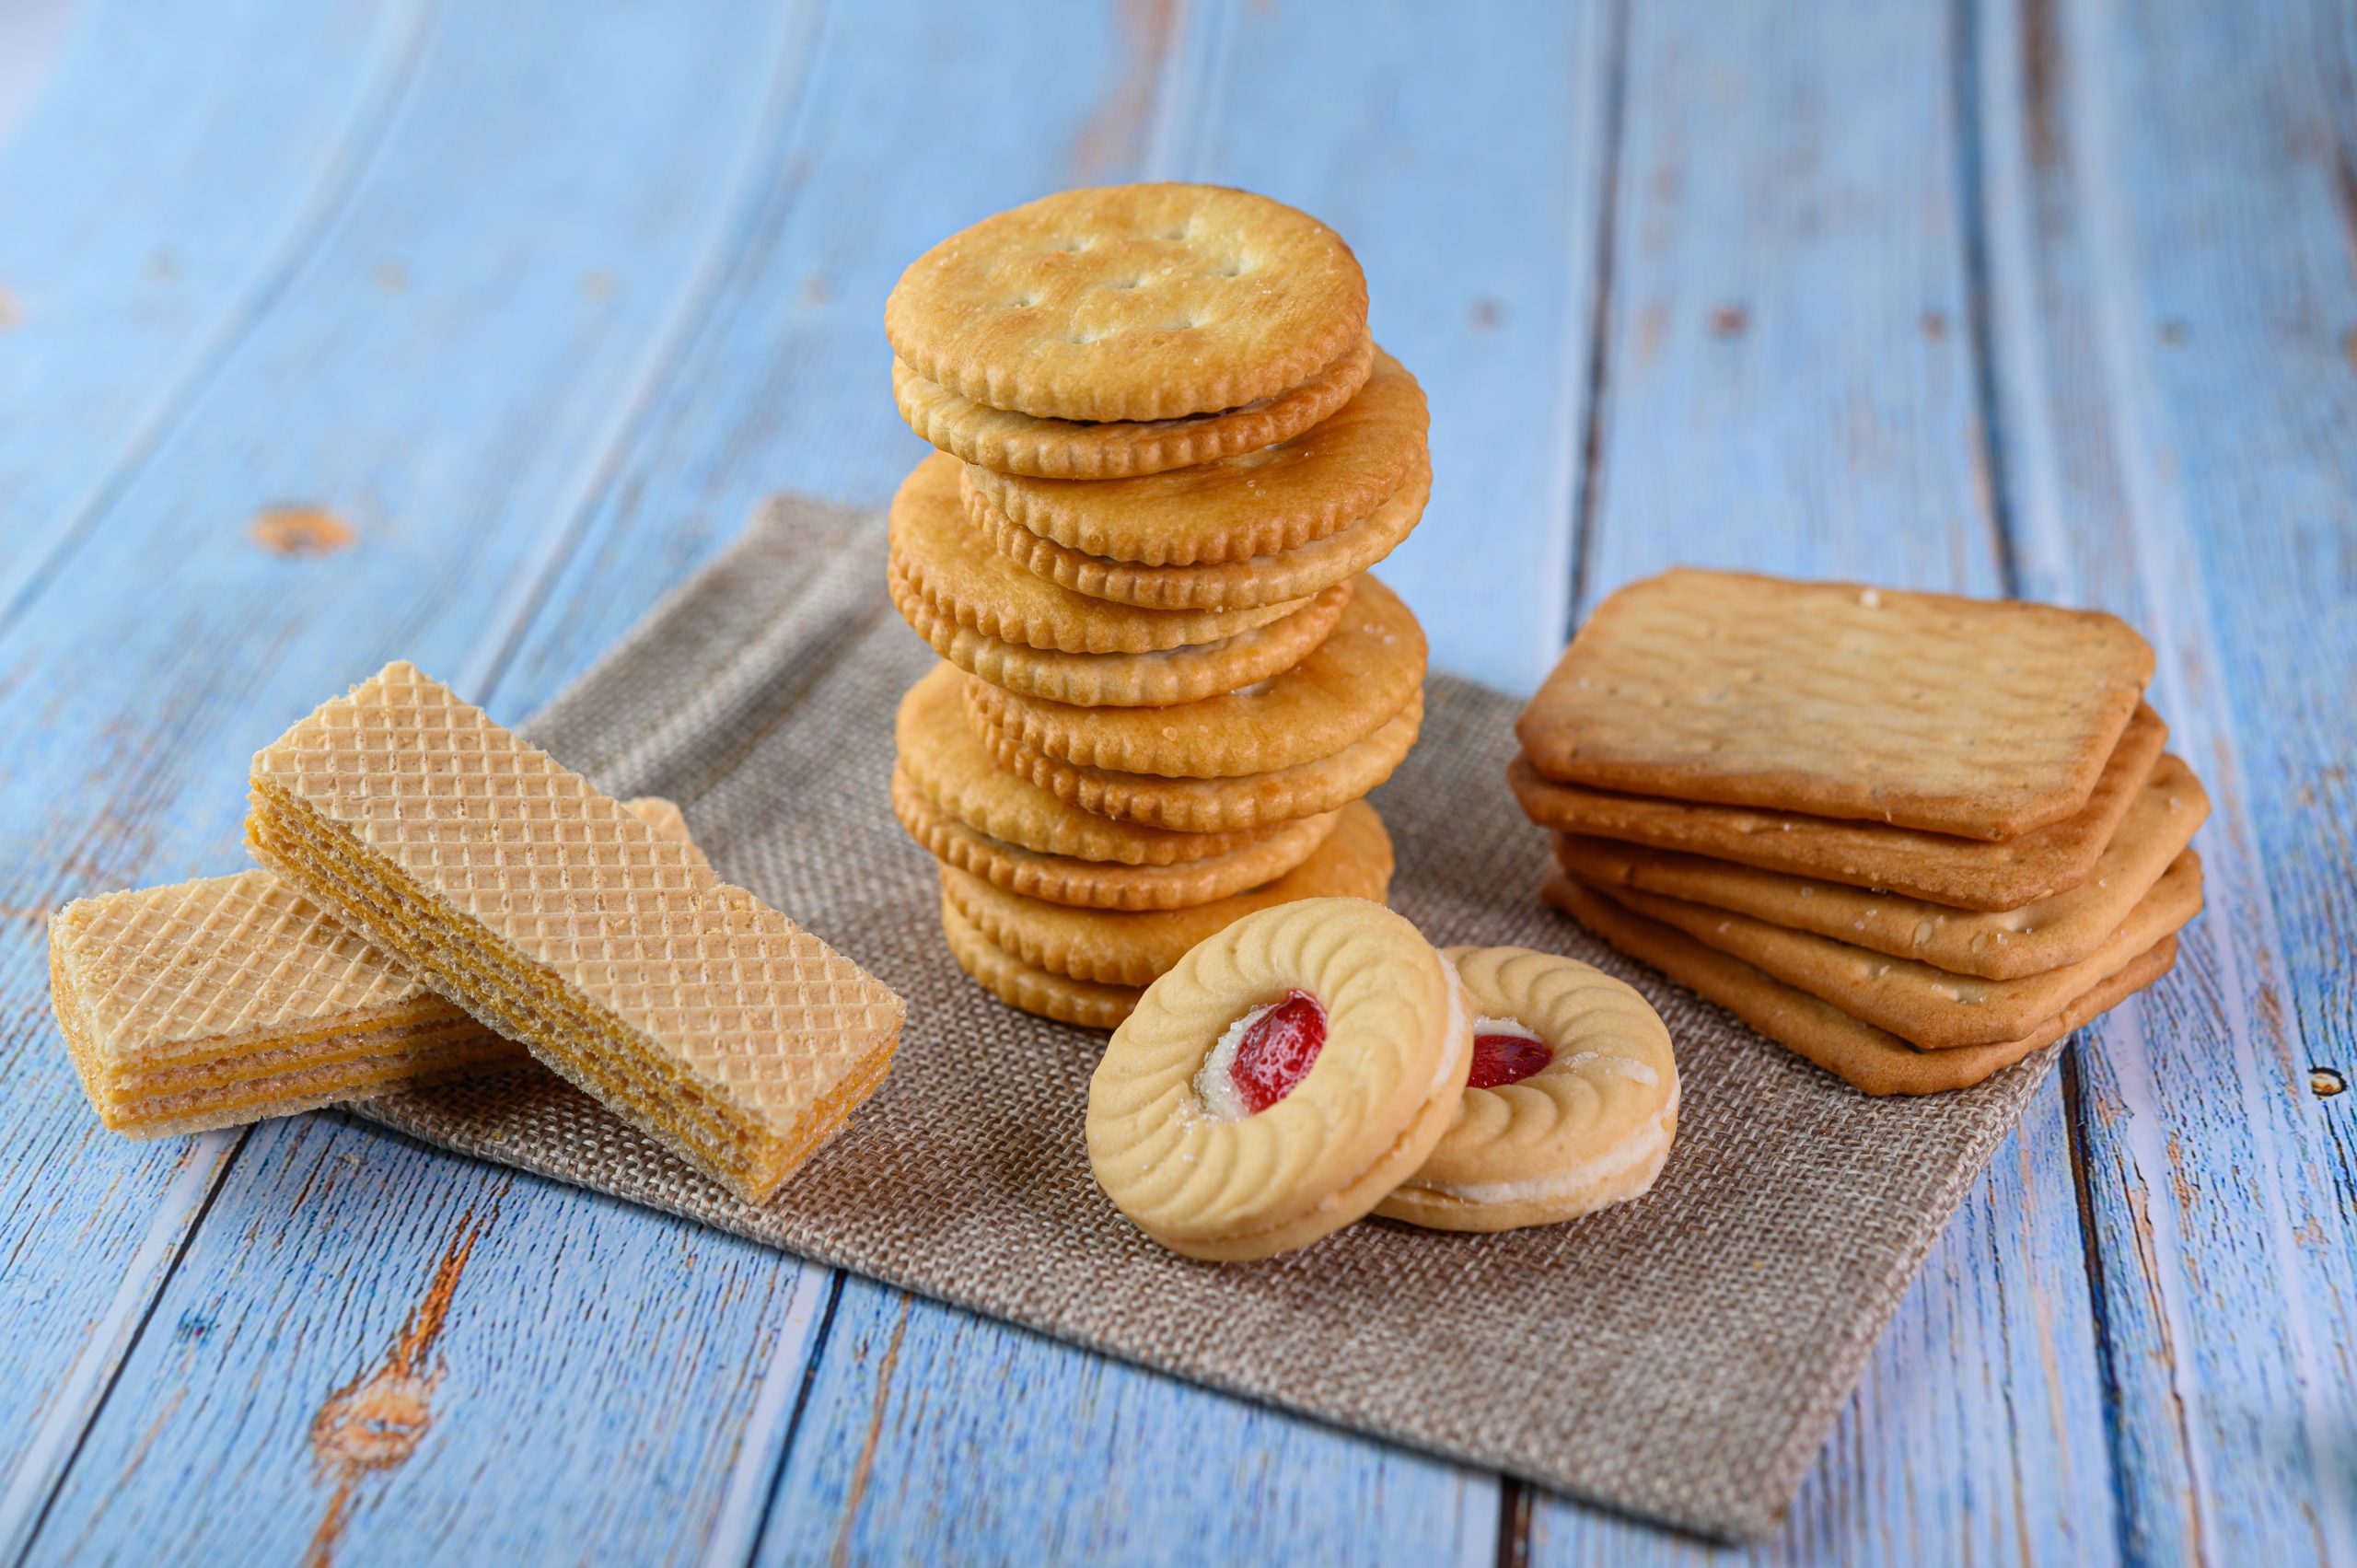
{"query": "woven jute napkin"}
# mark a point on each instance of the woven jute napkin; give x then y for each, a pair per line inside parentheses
(1681, 1357)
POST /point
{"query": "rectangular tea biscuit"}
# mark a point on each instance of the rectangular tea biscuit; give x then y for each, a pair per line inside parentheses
(1926, 1007)
(2046, 934)
(224, 1001)
(1966, 873)
(512, 887)
(1871, 1059)
(1975, 718)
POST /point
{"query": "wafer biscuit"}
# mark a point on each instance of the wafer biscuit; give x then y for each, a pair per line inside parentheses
(1065, 448)
(1120, 680)
(1082, 1002)
(1978, 718)
(1349, 687)
(948, 763)
(1272, 499)
(1118, 947)
(1216, 806)
(1130, 302)
(233, 999)
(1873, 1061)
(1254, 579)
(946, 561)
(1966, 873)
(506, 883)
(1092, 884)
(1925, 1006)
(2001, 945)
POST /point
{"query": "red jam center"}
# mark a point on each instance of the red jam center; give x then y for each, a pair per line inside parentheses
(1278, 1050)
(1505, 1059)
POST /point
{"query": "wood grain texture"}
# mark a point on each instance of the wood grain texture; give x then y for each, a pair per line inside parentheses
(783, 385)
(935, 1437)
(1464, 157)
(331, 332)
(430, 380)
(364, 1342)
(1793, 220)
(2173, 319)
(155, 202)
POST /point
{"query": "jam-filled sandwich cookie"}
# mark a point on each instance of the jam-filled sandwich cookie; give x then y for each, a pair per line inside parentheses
(1571, 1104)
(1289, 1072)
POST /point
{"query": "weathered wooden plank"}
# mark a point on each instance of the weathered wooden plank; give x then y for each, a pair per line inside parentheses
(1790, 385)
(1463, 157)
(371, 1356)
(783, 387)
(434, 382)
(2177, 320)
(166, 185)
(935, 1436)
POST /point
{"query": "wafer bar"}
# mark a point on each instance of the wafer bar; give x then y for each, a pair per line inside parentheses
(224, 1001)
(513, 887)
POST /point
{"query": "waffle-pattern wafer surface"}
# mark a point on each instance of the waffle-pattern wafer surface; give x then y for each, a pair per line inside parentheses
(538, 902)
(1975, 718)
(191, 970)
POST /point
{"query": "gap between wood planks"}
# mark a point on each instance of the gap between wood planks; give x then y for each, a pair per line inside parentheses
(363, 133)
(188, 1202)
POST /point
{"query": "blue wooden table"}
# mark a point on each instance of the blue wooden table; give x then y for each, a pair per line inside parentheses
(332, 330)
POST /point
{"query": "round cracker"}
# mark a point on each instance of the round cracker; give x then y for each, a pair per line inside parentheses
(1256, 503)
(1130, 302)
(1092, 884)
(1125, 680)
(1219, 806)
(1067, 448)
(1035, 990)
(948, 762)
(1350, 686)
(1256, 579)
(947, 562)
(1124, 947)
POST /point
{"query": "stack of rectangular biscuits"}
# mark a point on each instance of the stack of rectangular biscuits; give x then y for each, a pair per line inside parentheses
(1168, 452)
(1911, 837)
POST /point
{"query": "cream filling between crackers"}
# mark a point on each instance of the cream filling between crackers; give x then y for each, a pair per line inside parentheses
(1648, 1142)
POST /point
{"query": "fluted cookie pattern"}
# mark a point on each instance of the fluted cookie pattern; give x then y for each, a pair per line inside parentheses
(1010, 442)
(947, 562)
(1590, 1127)
(1397, 1044)
(1272, 499)
(1120, 680)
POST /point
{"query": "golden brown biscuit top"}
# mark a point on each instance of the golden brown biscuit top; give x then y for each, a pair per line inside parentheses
(1130, 302)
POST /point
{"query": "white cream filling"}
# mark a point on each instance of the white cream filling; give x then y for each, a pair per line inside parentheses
(1216, 1079)
(1459, 1048)
(1514, 1027)
(1647, 1144)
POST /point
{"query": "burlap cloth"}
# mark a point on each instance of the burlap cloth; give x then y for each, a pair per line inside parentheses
(1681, 1357)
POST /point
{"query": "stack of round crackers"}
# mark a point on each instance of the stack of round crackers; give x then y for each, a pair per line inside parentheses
(1168, 452)
(1913, 838)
